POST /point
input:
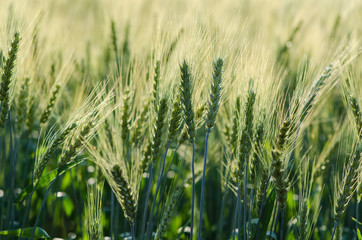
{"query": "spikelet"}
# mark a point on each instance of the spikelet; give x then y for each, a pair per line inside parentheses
(128, 201)
(247, 133)
(168, 213)
(71, 152)
(348, 184)
(50, 151)
(186, 99)
(93, 214)
(22, 104)
(281, 183)
(6, 79)
(158, 129)
(49, 108)
(215, 94)
(175, 122)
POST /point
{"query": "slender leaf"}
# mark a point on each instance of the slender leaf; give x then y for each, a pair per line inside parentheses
(39, 233)
(45, 180)
(266, 215)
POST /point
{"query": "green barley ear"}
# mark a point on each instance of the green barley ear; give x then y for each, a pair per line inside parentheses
(50, 151)
(125, 128)
(357, 114)
(316, 87)
(6, 79)
(303, 220)
(128, 201)
(175, 122)
(255, 164)
(186, 99)
(30, 115)
(115, 43)
(281, 182)
(140, 123)
(93, 214)
(125, 47)
(158, 129)
(168, 213)
(235, 127)
(71, 152)
(215, 94)
(348, 184)
(156, 83)
(49, 108)
(22, 104)
(146, 158)
(247, 133)
(262, 188)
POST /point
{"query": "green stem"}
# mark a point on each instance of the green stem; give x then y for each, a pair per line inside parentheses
(160, 174)
(245, 199)
(334, 229)
(203, 185)
(41, 207)
(193, 191)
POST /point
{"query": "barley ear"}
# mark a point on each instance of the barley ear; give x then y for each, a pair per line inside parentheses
(348, 184)
(125, 128)
(316, 87)
(128, 201)
(357, 114)
(156, 83)
(215, 94)
(235, 128)
(247, 133)
(71, 152)
(22, 104)
(158, 129)
(6, 79)
(175, 122)
(49, 108)
(40, 166)
(168, 213)
(281, 181)
(186, 99)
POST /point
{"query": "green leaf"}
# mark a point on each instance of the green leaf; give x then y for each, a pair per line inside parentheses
(45, 180)
(359, 234)
(266, 215)
(68, 205)
(39, 233)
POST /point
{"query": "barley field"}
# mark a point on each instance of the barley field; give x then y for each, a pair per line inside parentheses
(183, 119)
